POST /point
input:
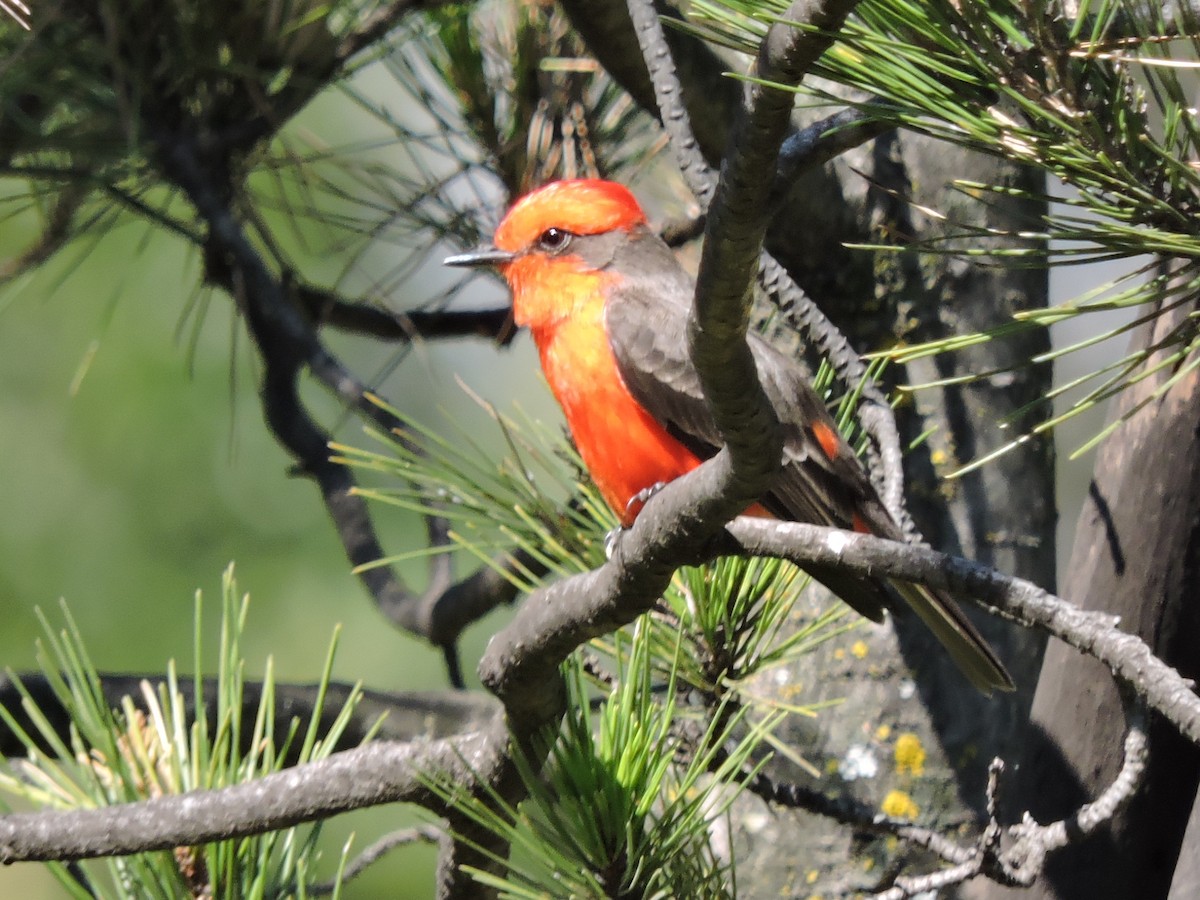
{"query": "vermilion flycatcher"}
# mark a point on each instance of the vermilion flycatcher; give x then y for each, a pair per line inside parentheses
(607, 303)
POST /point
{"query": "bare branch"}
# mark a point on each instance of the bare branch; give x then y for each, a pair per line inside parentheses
(819, 143)
(1033, 844)
(843, 809)
(327, 308)
(669, 101)
(1096, 634)
(382, 772)
(852, 813)
(288, 343)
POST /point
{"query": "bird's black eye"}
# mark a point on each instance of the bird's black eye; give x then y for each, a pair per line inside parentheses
(554, 239)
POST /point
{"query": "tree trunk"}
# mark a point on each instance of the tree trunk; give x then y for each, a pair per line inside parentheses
(1136, 555)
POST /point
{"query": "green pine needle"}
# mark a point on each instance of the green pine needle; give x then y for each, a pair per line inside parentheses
(622, 807)
(129, 754)
(1098, 102)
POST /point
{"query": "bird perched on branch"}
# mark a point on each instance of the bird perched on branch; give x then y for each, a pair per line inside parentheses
(607, 304)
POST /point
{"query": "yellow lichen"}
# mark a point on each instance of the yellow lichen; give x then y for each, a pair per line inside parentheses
(898, 805)
(859, 649)
(910, 754)
(883, 732)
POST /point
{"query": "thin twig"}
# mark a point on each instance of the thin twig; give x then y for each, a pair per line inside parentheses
(327, 308)
(1031, 844)
(429, 834)
(399, 716)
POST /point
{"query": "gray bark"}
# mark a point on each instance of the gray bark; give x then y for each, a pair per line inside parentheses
(1136, 555)
(1003, 515)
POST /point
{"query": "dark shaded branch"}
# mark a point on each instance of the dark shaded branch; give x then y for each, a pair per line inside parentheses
(399, 716)
(288, 344)
(668, 101)
(478, 594)
(843, 808)
(821, 142)
(327, 308)
(420, 834)
(854, 814)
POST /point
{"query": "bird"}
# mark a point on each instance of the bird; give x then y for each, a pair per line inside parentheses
(607, 304)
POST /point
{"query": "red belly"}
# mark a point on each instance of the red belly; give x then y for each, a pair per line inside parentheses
(624, 448)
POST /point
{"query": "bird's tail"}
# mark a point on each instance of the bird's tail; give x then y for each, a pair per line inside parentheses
(967, 647)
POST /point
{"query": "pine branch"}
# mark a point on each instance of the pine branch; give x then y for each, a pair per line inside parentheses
(1031, 845)
(525, 659)
(288, 343)
(382, 772)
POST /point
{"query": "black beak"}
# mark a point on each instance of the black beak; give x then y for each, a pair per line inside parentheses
(481, 256)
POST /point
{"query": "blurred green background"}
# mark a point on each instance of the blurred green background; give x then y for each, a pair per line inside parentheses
(136, 467)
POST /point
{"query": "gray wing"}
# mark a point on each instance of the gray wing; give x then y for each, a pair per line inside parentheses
(822, 483)
(647, 335)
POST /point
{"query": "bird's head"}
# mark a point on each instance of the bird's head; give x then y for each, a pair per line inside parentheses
(554, 245)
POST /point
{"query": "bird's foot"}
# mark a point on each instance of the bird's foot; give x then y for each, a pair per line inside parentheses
(632, 508)
(638, 500)
(611, 539)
